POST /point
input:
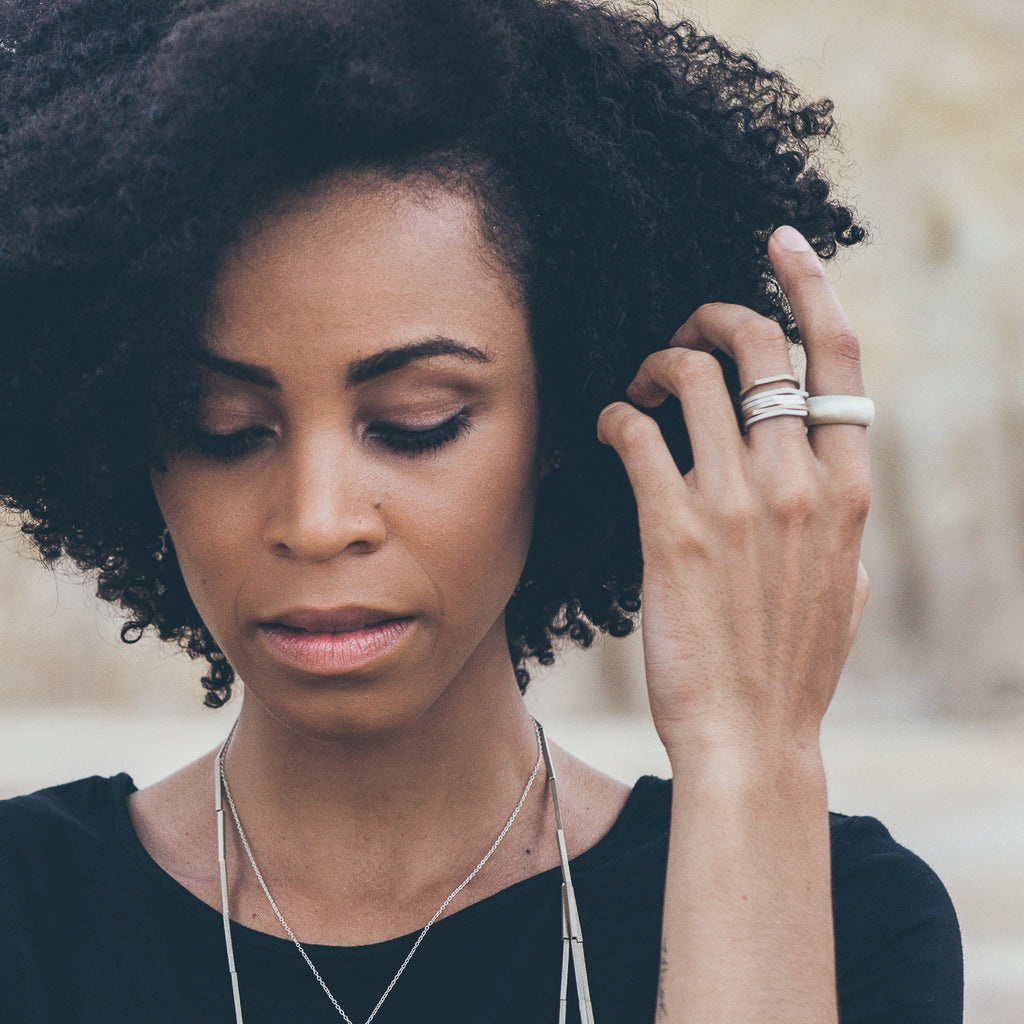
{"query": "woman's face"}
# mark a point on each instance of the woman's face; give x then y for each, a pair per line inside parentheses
(357, 507)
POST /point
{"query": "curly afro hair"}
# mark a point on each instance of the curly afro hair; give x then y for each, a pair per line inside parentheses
(627, 171)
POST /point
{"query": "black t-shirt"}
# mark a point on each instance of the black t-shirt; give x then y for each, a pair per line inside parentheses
(93, 931)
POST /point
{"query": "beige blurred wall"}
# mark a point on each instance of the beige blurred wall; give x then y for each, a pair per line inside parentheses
(930, 97)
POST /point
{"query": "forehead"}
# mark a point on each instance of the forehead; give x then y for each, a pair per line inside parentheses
(363, 264)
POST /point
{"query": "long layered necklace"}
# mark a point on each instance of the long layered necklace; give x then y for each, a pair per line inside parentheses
(572, 935)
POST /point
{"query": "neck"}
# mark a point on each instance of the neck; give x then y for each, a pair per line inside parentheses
(404, 814)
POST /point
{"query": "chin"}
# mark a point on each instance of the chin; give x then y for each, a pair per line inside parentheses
(350, 709)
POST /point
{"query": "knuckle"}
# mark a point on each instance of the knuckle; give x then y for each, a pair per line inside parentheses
(707, 310)
(738, 510)
(763, 335)
(808, 269)
(691, 544)
(844, 344)
(793, 496)
(688, 366)
(663, 363)
(853, 497)
(668, 529)
(682, 538)
(609, 422)
(634, 430)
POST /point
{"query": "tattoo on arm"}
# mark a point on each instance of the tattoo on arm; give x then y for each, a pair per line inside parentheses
(662, 971)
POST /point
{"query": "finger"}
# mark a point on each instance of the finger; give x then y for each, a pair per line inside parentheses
(652, 472)
(756, 344)
(833, 353)
(760, 350)
(695, 378)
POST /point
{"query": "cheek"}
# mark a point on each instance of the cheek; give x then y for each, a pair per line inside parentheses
(208, 533)
(485, 526)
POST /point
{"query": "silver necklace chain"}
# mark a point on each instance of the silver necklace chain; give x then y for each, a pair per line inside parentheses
(223, 782)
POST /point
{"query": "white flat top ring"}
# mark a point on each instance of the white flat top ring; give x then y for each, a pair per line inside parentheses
(853, 409)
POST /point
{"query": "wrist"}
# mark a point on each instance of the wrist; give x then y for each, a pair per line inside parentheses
(748, 758)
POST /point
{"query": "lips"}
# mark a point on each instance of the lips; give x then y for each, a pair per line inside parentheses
(332, 641)
(337, 620)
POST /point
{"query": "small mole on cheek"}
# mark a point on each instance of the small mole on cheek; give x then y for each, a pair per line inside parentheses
(528, 851)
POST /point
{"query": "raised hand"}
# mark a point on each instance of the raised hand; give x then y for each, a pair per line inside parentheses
(752, 585)
(752, 594)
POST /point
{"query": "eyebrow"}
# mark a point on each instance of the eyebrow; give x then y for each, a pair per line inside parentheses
(395, 358)
(360, 370)
(240, 371)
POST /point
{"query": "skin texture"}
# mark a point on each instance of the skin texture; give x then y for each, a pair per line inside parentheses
(355, 785)
(752, 594)
(323, 513)
(396, 775)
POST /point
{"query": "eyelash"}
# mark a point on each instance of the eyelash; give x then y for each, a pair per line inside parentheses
(406, 441)
(229, 447)
(402, 440)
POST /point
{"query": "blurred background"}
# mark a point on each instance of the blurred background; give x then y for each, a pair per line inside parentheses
(927, 732)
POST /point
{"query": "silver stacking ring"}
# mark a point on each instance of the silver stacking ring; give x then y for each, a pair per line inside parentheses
(783, 401)
(853, 409)
(779, 378)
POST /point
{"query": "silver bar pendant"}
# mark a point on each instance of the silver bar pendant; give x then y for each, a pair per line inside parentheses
(572, 932)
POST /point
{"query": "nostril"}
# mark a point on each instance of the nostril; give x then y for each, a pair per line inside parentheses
(317, 531)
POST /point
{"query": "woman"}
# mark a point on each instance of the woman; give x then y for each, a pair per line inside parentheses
(321, 322)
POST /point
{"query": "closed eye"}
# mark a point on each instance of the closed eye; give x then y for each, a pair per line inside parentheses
(231, 447)
(414, 441)
(237, 445)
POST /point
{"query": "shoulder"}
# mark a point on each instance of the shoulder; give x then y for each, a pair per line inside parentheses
(593, 801)
(898, 950)
(897, 937)
(635, 845)
(868, 863)
(60, 820)
(863, 847)
(866, 860)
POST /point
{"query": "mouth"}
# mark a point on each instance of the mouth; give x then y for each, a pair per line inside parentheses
(332, 642)
(349, 619)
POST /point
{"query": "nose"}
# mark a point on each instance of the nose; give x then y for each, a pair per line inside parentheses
(323, 506)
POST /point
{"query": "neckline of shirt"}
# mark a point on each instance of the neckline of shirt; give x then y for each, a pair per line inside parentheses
(122, 786)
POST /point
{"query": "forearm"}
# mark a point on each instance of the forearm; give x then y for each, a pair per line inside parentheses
(747, 935)
(752, 594)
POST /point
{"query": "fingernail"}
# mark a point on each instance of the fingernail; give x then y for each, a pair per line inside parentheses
(790, 239)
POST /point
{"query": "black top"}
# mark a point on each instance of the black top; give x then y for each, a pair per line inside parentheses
(93, 931)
